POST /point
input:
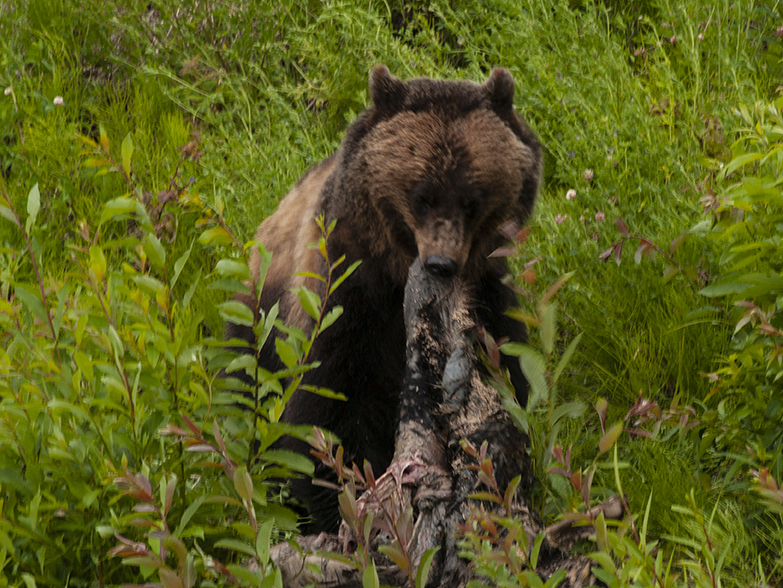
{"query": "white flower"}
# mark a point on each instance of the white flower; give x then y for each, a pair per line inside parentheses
(599, 216)
(560, 218)
(588, 175)
(571, 194)
(8, 91)
(58, 101)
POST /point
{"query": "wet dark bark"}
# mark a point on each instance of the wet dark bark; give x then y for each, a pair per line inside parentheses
(443, 401)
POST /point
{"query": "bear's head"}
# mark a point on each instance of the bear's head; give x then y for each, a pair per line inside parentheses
(441, 166)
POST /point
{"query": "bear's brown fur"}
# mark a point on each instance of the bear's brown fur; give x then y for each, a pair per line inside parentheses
(433, 169)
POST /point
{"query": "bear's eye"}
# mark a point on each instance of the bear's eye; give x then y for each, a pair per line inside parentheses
(423, 200)
(470, 204)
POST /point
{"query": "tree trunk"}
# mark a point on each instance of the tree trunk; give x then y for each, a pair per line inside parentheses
(424, 499)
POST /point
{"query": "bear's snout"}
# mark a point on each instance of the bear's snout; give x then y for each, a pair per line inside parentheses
(444, 267)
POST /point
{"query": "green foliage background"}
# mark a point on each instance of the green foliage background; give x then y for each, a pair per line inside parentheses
(672, 107)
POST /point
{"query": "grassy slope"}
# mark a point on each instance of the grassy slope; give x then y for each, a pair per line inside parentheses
(626, 91)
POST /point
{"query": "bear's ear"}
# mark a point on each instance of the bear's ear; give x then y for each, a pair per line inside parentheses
(387, 92)
(500, 87)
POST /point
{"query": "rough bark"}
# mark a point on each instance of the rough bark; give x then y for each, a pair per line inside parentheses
(444, 401)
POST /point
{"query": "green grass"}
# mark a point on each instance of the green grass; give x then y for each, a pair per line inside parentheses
(625, 89)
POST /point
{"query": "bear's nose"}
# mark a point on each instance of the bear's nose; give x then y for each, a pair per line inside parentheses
(438, 265)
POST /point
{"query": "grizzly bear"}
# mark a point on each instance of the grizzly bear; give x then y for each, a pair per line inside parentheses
(432, 169)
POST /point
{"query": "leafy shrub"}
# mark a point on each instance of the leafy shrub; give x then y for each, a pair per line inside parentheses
(98, 367)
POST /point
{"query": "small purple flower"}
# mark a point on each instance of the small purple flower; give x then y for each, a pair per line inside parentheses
(571, 154)
(560, 218)
(571, 194)
(600, 216)
(673, 40)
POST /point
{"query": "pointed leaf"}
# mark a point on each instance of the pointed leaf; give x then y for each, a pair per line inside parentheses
(33, 206)
(423, 571)
(264, 540)
(97, 262)
(231, 268)
(618, 252)
(565, 358)
(310, 301)
(370, 577)
(154, 250)
(117, 207)
(549, 327)
(127, 152)
(534, 367)
(608, 440)
(104, 139)
(669, 272)
(621, 226)
(243, 483)
(677, 241)
(215, 236)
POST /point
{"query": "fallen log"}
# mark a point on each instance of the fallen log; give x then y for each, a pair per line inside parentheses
(433, 488)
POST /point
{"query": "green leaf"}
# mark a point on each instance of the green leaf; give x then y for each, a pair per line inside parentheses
(330, 317)
(98, 262)
(572, 410)
(290, 459)
(104, 139)
(84, 363)
(535, 550)
(534, 367)
(127, 152)
(394, 553)
(154, 250)
(230, 268)
(423, 571)
(669, 272)
(118, 207)
(243, 362)
(243, 484)
(180, 264)
(31, 301)
(549, 327)
(370, 577)
(286, 353)
(192, 290)
(263, 541)
(310, 301)
(607, 441)
(740, 161)
(8, 213)
(344, 276)
(236, 545)
(236, 312)
(33, 207)
(565, 358)
(188, 514)
(215, 236)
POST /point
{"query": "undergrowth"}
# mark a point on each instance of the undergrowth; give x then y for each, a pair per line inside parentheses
(129, 129)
